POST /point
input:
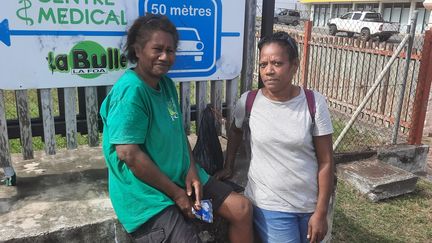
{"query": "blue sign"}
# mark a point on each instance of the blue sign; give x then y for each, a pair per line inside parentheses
(199, 24)
(6, 33)
(65, 43)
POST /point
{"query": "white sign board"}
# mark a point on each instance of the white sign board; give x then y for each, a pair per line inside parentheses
(71, 43)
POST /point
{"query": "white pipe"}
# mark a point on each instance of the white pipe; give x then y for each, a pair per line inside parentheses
(370, 92)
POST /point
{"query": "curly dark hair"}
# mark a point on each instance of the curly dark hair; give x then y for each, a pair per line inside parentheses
(142, 29)
(283, 39)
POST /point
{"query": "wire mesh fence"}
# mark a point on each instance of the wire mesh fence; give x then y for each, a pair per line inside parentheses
(346, 57)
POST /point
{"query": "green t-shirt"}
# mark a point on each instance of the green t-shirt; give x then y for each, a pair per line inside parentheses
(135, 113)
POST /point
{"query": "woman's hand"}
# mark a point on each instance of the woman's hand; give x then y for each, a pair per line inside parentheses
(317, 228)
(183, 201)
(223, 174)
(145, 169)
(193, 186)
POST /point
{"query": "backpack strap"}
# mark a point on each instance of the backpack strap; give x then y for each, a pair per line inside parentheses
(250, 100)
(310, 98)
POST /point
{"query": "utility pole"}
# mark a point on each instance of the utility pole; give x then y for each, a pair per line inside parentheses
(266, 24)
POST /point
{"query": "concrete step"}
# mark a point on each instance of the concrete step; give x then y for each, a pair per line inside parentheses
(377, 180)
(64, 198)
(412, 158)
(59, 198)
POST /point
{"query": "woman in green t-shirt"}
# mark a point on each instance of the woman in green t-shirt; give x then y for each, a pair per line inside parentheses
(153, 180)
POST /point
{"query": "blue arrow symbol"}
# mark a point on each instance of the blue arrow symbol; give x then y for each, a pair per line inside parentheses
(5, 32)
(230, 34)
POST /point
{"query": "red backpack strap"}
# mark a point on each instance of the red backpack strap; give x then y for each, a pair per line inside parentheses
(310, 98)
(250, 100)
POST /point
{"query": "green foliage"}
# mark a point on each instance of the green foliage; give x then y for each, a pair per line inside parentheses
(38, 144)
(10, 103)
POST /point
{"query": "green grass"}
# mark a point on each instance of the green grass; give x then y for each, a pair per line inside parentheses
(10, 103)
(356, 139)
(15, 145)
(352, 138)
(406, 218)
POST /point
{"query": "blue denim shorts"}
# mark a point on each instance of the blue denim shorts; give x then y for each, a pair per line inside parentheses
(274, 226)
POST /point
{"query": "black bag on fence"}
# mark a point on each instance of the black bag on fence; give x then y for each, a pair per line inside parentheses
(208, 151)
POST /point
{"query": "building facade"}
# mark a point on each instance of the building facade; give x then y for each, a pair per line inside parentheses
(393, 11)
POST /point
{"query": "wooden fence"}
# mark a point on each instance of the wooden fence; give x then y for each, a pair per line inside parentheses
(73, 111)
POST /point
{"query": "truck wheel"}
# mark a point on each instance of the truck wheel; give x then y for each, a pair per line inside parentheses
(332, 29)
(295, 23)
(384, 37)
(365, 34)
(350, 34)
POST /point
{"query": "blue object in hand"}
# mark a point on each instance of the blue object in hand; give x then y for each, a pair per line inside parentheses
(206, 211)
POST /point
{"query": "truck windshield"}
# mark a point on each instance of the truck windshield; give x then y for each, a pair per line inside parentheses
(294, 14)
(346, 16)
(373, 17)
(356, 16)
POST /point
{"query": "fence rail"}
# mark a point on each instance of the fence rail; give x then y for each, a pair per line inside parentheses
(70, 111)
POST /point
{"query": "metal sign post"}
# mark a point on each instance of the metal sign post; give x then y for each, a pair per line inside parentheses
(266, 24)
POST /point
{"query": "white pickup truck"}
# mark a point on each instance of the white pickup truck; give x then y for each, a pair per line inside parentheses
(366, 23)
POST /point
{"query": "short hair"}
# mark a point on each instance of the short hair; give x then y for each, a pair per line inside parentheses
(283, 39)
(143, 28)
